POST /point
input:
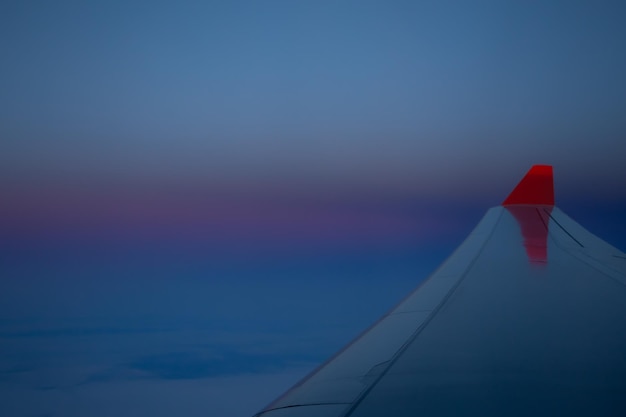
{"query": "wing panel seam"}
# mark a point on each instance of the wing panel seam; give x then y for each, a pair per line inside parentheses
(298, 405)
(563, 228)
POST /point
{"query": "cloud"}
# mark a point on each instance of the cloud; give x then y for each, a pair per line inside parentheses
(231, 396)
(197, 365)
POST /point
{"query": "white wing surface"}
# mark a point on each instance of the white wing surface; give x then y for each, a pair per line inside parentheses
(526, 318)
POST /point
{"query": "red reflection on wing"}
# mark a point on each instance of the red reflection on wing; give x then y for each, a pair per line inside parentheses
(533, 223)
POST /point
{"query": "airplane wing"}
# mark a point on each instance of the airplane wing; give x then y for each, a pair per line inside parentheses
(526, 318)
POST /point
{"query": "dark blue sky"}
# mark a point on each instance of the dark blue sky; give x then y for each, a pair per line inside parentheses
(202, 200)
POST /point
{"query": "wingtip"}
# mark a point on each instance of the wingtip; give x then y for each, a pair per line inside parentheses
(536, 188)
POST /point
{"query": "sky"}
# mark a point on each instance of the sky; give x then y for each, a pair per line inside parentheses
(202, 200)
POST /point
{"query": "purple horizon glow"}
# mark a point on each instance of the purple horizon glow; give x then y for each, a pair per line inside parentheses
(136, 217)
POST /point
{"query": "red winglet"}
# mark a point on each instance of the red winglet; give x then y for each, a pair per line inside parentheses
(537, 187)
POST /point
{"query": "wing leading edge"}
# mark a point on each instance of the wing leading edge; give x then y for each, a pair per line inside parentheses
(526, 317)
